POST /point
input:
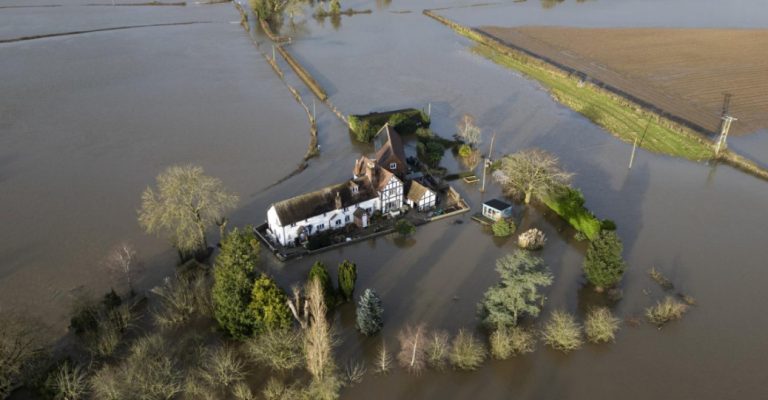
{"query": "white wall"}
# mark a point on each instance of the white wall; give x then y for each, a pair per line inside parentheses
(286, 235)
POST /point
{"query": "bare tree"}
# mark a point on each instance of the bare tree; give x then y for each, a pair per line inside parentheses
(383, 359)
(298, 307)
(122, 261)
(438, 349)
(185, 204)
(318, 341)
(21, 340)
(412, 344)
(468, 131)
(531, 174)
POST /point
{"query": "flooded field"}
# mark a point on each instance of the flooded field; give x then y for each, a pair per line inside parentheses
(89, 120)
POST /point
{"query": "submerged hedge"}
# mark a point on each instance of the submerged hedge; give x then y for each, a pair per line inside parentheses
(405, 121)
(568, 203)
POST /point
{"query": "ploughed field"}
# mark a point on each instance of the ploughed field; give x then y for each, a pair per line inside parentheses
(684, 72)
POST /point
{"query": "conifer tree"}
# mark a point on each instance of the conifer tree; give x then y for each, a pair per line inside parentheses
(603, 264)
(233, 275)
(369, 313)
(347, 277)
(320, 272)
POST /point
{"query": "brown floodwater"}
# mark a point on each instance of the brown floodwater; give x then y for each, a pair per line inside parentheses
(87, 121)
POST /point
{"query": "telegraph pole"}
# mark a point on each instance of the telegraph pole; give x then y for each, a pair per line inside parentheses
(721, 141)
(487, 161)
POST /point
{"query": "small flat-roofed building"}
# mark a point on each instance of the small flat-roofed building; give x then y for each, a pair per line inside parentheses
(496, 209)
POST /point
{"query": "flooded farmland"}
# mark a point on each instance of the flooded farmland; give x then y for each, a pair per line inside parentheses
(87, 121)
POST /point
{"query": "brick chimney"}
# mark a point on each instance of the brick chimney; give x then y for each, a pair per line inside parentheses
(338, 201)
(371, 172)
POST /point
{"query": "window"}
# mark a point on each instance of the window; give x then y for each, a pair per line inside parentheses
(346, 219)
(368, 210)
(338, 222)
(293, 225)
(392, 165)
(320, 227)
(354, 189)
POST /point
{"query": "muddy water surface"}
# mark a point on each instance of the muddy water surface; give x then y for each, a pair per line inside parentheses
(92, 119)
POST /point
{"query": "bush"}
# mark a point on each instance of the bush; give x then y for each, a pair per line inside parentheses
(562, 332)
(603, 264)
(465, 151)
(665, 311)
(279, 350)
(532, 239)
(502, 228)
(467, 352)
(424, 134)
(438, 350)
(431, 152)
(506, 342)
(600, 325)
(568, 203)
(70, 382)
(183, 297)
(607, 225)
(222, 368)
(404, 227)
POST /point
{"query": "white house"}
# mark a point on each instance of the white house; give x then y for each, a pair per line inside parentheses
(496, 209)
(372, 189)
(421, 197)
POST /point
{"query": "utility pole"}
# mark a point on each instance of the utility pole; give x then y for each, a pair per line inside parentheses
(487, 161)
(721, 142)
(632, 158)
(429, 110)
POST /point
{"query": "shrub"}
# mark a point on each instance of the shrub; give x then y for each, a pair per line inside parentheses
(404, 227)
(412, 355)
(181, 298)
(70, 382)
(532, 239)
(465, 151)
(269, 309)
(438, 350)
(222, 368)
(369, 313)
(276, 390)
(501, 344)
(433, 152)
(523, 341)
(467, 352)
(506, 342)
(607, 225)
(601, 325)
(665, 311)
(603, 264)
(424, 134)
(362, 129)
(279, 350)
(347, 275)
(502, 228)
(562, 332)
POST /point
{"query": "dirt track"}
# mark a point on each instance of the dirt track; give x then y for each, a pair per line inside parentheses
(685, 72)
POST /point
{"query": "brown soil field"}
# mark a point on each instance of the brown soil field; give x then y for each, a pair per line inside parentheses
(684, 72)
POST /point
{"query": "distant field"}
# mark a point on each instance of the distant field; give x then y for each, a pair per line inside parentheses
(684, 72)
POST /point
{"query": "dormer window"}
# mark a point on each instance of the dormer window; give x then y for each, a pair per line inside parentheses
(392, 166)
(354, 187)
